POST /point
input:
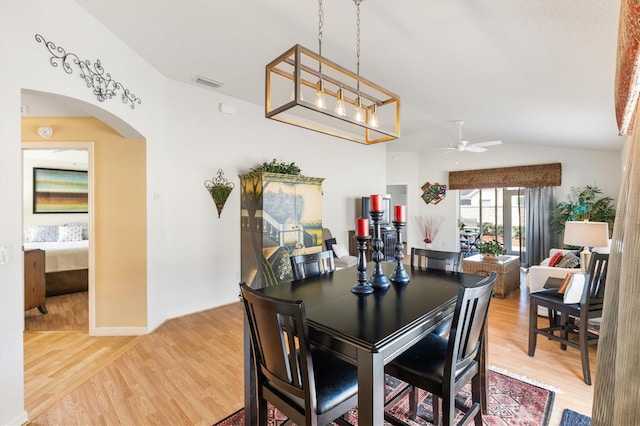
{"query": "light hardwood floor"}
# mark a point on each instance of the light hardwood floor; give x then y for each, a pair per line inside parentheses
(190, 370)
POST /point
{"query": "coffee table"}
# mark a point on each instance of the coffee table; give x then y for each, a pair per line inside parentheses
(507, 267)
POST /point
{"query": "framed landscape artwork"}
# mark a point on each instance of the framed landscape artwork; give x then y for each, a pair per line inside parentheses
(60, 191)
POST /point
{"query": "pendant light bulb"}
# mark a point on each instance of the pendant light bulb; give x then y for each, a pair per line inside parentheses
(359, 116)
(320, 100)
(373, 117)
(340, 108)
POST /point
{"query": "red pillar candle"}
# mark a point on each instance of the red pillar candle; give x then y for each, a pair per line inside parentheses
(376, 202)
(400, 214)
(362, 227)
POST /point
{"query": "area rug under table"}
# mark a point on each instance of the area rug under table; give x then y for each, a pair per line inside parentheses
(511, 401)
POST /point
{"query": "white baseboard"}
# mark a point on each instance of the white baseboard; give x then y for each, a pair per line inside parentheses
(20, 420)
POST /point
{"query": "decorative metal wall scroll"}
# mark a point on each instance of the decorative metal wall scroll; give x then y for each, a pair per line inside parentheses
(94, 75)
(433, 193)
(219, 188)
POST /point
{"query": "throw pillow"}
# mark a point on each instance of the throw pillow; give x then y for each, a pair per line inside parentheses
(83, 225)
(573, 293)
(569, 260)
(69, 233)
(339, 250)
(41, 233)
(556, 258)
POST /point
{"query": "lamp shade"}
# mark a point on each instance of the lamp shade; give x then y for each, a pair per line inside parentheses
(587, 234)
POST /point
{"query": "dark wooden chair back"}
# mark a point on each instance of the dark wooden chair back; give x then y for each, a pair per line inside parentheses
(468, 325)
(595, 280)
(443, 366)
(308, 385)
(311, 265)
(435, 259)
(280, 340)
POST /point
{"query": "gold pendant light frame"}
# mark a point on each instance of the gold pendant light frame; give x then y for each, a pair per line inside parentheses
(291, 84)
(359, 110)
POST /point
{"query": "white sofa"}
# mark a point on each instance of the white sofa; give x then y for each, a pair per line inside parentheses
(538, 274)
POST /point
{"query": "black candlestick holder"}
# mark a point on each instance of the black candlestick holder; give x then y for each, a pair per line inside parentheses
(363, 287)
(399, 273)
(378, 280)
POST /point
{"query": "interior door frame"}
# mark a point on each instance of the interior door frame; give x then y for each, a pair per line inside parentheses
(88, 146)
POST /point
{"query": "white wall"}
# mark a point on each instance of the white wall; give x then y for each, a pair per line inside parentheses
(579, 168)
(193, 257)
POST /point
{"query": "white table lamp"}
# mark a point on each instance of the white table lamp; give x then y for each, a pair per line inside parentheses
(586, 234)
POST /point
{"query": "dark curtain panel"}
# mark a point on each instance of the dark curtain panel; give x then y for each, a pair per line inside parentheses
(539, 237)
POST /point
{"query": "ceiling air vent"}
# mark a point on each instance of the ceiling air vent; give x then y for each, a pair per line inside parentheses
(209, 82)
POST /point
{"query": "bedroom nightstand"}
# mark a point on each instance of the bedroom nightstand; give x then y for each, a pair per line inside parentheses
(34, 280)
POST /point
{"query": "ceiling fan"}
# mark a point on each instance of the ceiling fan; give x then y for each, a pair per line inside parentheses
(464, 145)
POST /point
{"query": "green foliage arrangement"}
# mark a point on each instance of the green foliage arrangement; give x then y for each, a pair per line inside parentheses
(584, 204)
(492, 248)
(278, 167)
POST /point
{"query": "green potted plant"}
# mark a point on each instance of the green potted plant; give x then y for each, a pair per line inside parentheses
(278, 167)
(491, 249)
(584, 204)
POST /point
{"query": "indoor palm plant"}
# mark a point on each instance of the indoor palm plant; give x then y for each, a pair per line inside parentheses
(584, 204)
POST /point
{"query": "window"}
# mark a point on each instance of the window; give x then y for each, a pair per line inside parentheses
(498, 213)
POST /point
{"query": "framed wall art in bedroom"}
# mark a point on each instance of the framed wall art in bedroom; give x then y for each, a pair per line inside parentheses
(60, 191)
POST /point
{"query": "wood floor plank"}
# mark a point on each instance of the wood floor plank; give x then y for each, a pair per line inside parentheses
(190, 370)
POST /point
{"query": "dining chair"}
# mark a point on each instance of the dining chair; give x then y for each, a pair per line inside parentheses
(443, 366)
(308, 385)
(435, 259)
(311, 265)
(569, 319)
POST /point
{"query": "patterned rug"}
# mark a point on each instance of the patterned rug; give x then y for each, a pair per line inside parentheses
(511, 402)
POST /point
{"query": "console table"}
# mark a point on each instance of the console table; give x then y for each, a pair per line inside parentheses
(507, 267)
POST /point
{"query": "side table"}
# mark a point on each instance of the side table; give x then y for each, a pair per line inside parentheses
(507, 268)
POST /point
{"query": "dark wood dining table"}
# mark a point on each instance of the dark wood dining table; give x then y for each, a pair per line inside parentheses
(367, 330)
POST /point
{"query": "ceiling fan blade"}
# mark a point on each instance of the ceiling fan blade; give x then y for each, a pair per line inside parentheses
(487, 143)
(474, 148)
(441, 149)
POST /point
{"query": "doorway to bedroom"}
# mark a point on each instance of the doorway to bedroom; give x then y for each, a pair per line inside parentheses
(56, 217)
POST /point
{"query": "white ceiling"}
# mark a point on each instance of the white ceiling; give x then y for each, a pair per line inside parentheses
(523, 71)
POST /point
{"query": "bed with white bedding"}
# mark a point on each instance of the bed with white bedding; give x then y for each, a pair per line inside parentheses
(66, 262)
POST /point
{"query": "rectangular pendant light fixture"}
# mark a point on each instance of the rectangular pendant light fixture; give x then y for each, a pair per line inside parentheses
(299, 76)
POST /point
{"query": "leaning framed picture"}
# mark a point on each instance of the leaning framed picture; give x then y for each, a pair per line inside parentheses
(60, 191)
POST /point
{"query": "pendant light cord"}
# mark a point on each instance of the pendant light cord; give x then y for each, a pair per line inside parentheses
(357, 2)
(320, 25)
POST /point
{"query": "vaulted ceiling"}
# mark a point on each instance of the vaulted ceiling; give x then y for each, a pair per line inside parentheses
(534, 72)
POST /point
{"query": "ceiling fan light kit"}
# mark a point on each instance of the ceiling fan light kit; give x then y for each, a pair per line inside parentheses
(344, 104)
